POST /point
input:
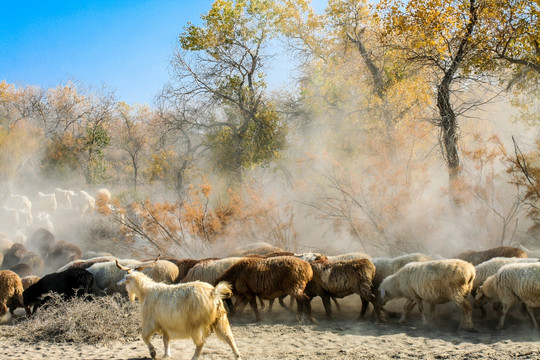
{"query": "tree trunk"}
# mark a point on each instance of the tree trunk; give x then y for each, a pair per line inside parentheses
(449, 137)
(448, 122)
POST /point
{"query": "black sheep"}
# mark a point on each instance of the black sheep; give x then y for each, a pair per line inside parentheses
(69, 283)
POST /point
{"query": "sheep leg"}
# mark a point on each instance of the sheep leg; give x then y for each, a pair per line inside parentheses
(338, 307)
(531, 312)
(240, 304)
(466, 318)
(282, 303)
(270, 305)
(365, 304)
(376, 308)
(262, 303)
(505, 309)
(483, 312)
(253, 303)
(304, 307)
(409, 305)
(422, 312)
(327, 306)
(166, 340)
(229, 305)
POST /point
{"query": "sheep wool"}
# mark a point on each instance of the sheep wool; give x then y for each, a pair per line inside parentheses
(512, 283)
(435, 282)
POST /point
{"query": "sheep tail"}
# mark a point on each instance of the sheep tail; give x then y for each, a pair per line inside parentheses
(223, 290)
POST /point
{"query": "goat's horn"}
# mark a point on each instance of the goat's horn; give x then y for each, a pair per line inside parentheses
(122, 267)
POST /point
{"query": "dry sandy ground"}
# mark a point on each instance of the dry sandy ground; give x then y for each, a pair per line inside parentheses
(278, 336)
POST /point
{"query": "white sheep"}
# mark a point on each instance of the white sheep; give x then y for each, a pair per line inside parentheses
(388, 266)
(209, 271)
(24, 210)
(64, 198)
(107, 275)
(88, 203)
(349, 256)
(436, 282)
(511, 284)
(490, 267)
(190, 310)
(47, 202)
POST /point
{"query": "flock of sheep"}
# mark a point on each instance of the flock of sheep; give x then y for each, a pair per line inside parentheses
(188, 298)
(22, 212)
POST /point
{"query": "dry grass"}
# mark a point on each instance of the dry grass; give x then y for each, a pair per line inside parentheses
(102, 320)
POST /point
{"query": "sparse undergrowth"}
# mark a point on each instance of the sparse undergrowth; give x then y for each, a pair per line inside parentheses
(101, 320)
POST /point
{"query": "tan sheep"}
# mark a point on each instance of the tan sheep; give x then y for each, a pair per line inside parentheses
(511, 284)
(436, 282)
(28, 281)
(478, 257)
(11, 292)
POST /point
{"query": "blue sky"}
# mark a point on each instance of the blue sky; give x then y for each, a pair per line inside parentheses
(125, 45)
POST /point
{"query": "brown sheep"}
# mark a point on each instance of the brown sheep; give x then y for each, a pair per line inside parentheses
(337, 279)
(42, 241)
(62, 253)
(478, 257)
(11, 292)
(14, 255)
(28, 281)
(269, 279)
(260, 248)
(22, 270)
(35, 262)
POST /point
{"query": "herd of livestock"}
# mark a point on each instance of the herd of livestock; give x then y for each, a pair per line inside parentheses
(189, 298)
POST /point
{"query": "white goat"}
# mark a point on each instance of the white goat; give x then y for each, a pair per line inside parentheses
(190, 310)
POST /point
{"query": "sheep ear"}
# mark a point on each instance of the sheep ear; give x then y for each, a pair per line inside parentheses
(383, 292)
